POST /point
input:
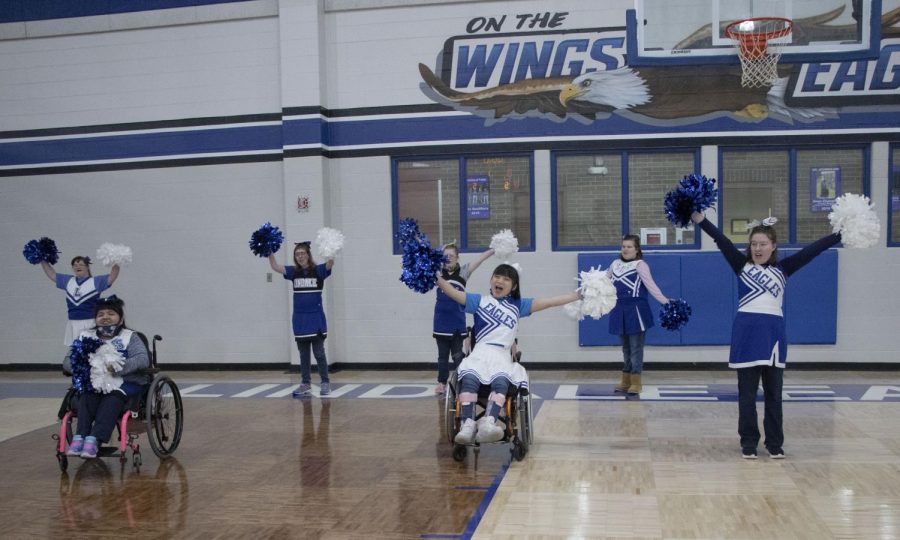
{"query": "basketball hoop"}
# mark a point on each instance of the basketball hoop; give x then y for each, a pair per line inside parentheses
(759, 57)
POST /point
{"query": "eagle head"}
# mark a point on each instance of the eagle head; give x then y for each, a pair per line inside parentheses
(619, 88)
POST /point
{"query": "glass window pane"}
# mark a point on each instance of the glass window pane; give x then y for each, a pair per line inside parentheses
(895, 195)
(589, 200)
(650, 177)
(823, 175)
(498, 196)
(754, 186)
(428, 191)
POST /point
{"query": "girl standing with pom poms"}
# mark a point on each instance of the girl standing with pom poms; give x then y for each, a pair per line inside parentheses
(449, 317)
(631, 317)
(310, 327)
(758, 339)
(82, 291)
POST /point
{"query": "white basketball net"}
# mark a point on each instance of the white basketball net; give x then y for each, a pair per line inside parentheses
(759, 57)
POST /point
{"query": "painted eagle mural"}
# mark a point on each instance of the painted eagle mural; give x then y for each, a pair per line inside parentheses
(659, 95)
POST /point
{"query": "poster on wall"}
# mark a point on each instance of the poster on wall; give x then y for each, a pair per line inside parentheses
(824, 187)
(478, 193)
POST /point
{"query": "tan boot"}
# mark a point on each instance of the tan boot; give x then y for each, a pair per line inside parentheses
(625, 383)
(635, 387)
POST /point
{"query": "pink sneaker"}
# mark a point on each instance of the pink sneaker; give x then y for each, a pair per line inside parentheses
(440, 389)
(90, 448)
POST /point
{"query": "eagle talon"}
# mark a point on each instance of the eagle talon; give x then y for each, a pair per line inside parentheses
(754, 111)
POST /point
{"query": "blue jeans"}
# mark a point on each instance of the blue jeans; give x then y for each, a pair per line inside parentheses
(633, 352)
(748, 427)
(318, 350)
(449, 349)
(98, 414)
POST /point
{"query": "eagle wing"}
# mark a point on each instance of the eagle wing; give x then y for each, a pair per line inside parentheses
(514, 99)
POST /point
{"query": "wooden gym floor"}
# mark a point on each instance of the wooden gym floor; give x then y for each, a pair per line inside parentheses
(373, 463)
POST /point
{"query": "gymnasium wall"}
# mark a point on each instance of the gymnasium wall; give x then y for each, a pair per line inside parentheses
(254, 93)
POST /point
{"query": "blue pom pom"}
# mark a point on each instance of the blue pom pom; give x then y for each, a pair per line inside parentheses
(695, 193)
(407, 231)
(44, 249)
(266, 240)
(421, 262)
(80, 358)
(674, 315)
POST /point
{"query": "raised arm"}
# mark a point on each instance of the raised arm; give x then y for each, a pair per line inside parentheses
(113, 274)
(51, 273)
(543, 303)
(798, 260)
(275, 266)
(733, 256)
(481, 258)
(329, 264)
(458, 296)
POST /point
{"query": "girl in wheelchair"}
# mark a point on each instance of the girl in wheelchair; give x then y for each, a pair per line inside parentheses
(491, 361)
(99, 411)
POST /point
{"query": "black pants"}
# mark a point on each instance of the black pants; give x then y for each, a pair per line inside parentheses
(748, 426)
(98, 414)
(449, 349)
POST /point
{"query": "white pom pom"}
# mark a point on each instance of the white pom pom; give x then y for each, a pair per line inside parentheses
(504, 244)
(110, 254)
(573, 310)
(597, 292)
(105, 363)
(328, 243)
(853, 216)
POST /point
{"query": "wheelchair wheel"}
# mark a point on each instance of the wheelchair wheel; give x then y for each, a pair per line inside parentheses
(525, 420)
(459, 452)
(450, 412)
(165, 416)
(519, 449)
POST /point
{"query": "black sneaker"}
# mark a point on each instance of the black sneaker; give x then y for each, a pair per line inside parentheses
(776, 453)
(749, 453)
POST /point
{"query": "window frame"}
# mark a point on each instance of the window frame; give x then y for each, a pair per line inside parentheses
(624, 154)
(791, 150)
(462, 159)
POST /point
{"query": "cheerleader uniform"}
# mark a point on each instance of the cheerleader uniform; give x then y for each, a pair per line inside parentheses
(308, 320)
(631, 317)
(98, 413)
(758, 337)
(496, 327)
(450, 321)
(81, 297)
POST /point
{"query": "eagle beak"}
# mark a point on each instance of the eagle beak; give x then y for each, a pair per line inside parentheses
(569, 93)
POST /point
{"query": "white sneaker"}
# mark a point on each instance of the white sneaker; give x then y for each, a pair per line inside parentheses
(466, 433)
(489, 431)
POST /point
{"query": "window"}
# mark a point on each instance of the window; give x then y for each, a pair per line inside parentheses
(466, 200)
(796, 185)
(602, 196)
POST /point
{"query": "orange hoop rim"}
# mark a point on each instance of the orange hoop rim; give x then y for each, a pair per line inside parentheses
(754, 36)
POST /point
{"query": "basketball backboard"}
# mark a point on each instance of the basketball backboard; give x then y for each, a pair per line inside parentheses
(662, 32)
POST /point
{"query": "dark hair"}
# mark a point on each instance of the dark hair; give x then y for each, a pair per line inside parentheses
(305, 247)
(114, 303)
(507, 270)
(637, 244)
(769, 231)
(85, 260)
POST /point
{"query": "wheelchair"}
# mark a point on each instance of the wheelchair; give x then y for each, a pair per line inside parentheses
(158, 411)
(516, 415)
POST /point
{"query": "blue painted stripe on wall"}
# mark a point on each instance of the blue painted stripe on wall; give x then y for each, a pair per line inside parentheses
(143, 145)
(38, 10)
(401, 132)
